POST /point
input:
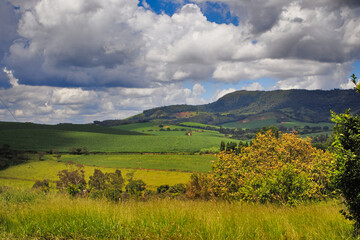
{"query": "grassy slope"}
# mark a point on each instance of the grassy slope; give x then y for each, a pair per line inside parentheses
(25, 175)
(269, 120)
(62, 217)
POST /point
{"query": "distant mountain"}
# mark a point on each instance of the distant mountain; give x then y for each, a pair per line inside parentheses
(301, 105)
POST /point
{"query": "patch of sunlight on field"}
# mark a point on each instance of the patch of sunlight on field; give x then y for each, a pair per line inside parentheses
(25, 175)
(196, 163)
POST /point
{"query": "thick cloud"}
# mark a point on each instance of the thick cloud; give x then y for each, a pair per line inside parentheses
(118, 43)
(45, 104)
(125, 54)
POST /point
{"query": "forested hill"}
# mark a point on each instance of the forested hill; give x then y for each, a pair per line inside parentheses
(301, 105)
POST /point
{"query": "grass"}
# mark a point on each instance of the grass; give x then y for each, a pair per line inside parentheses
(42, 138)
(259, 123)
(25, 175)
(201, 125)
(197, 163)
(65, 127)
(27, 214)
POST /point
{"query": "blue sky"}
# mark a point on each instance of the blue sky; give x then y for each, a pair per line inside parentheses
(80, 61)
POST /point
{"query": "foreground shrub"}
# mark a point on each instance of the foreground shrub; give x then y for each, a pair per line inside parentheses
(347, 174)
(284, 169)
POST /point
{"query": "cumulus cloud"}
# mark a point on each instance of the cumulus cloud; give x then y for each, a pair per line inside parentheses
(118, 43)
(124, 53)
(46, 104)
(255, 86)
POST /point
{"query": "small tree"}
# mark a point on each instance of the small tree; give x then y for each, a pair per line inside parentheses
(222, 146)
(98, 180)
(347, 174)
(43, 185)
(347, 148)
(72, 181)
(135, 187)
(356, 82)
(108, 185)
(41, 155)
(284, 169)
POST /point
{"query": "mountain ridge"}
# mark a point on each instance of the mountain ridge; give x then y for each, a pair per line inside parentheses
(302, 105)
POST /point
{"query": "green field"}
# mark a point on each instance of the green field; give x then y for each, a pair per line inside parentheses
(34, 215)
(272, 121)
(42, 138)
(194, 163)
(201, 125)
(25, 175)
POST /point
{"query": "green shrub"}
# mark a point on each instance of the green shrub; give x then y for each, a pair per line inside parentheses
(347, 174)
(135, 187)
(43, 185)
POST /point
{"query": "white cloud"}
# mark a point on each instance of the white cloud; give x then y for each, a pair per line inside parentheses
(117, 43)
(130, 58)
(253, 87)
(220, 93)
(44, 104)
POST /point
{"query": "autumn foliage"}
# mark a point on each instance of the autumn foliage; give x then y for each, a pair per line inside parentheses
(284, 169)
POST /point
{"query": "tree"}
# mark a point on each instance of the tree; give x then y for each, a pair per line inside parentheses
(135, 187)
(356, 82)
(108, 185)
(347, 174)
(98, 180)
(347, 171)
(284, 169)
(222, 146)
(72, 181)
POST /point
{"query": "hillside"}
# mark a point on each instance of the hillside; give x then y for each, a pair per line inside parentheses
(312, 106)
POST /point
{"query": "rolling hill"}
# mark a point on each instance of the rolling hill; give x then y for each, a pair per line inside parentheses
(312, 106)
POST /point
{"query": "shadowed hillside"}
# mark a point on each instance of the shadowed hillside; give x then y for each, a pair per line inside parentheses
(311, 106)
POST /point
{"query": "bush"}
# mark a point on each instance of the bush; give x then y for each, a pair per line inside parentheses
(135, 187)
(42, 185)
(347, 173)
(162, 189)
(177, 190)
(200, 187)
(71, 181)
(284, 169)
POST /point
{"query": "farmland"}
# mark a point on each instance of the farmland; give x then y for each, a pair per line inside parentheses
(47, 137)
(193, 163)
(25, 175)
(159, 154)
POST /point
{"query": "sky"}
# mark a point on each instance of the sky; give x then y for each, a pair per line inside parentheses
(85, 60)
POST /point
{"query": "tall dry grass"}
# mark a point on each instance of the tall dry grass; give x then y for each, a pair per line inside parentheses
(34, 215)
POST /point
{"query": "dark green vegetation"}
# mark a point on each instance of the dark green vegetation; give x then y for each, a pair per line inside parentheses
(284, 105)
(347, 176)
(9, 157)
